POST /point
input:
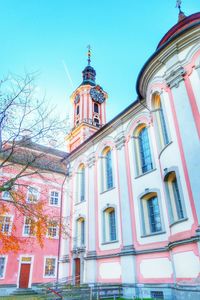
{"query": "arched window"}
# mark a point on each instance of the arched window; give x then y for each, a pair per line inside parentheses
(176, 203)
(110, 233)
(96, 108)
(80, 238)
(143, 151)
(107, 172)
(160, 121)
(96, 122)
(77, 109)
(151, 214)
(81, 183)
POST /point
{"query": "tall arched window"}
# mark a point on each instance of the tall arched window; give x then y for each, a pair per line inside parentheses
(81, 183)
(107, 172)
(176, 203)
(151, 214)
(161, 126)
(143, 151)
(96, 108)
(80, 238)
(110, 233)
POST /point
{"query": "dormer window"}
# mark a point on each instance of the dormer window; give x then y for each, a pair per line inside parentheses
(96, 108)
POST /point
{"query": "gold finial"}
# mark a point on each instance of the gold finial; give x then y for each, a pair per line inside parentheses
(181, 15)
(89, 54)
(178, 4)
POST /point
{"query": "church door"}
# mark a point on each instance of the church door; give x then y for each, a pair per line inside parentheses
(77, 271)
(24, 276)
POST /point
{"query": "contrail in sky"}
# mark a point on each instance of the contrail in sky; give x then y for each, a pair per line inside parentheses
(68, 74)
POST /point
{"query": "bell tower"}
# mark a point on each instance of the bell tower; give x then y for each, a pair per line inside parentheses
(89, 109)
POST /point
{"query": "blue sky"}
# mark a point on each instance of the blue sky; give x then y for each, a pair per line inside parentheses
(39, 35)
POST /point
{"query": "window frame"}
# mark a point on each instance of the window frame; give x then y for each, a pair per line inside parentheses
(105, 186)
(161, 122)
(14, 188)
(52, 228)
(106, 226)
(5, 265)
(24, 225)
(50, 276)
(137, 150)
(80, 236)
(28, 193)
(167, 173)
(10, 223)
(50, 196)
(81, 184)
(145, 221)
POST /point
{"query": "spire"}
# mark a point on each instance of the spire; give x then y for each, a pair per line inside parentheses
(89, 72)
(181, 14)
(89, 54)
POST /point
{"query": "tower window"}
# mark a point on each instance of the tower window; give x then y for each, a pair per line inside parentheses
(96, 122)
(96, 108)
(77, 110)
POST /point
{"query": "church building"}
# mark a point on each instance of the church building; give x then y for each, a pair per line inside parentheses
(133, 183)
(129, 188)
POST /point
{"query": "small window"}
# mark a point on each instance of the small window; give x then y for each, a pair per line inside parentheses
(6, 195)
(2, 266)
(107, 172)
(33, 195)
(50, 267)
(52, 229)
(77, 109)
(29, 226)
(157, 295)
(109, 225)
(54, 198)
(80, 232)
(96, 108)
(151, 214)
(176, 203)
(5, 224)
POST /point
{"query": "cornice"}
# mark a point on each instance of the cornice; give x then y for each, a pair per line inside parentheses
(161, 56)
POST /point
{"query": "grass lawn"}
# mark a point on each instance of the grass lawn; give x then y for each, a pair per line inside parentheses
(24, 297)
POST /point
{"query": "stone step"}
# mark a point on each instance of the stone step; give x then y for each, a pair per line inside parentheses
(24, 292)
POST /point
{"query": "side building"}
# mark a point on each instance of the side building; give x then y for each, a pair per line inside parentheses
(43, 181)
(133, 183)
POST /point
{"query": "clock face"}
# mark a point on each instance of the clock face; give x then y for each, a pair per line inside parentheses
(77, 99)
(97, 95)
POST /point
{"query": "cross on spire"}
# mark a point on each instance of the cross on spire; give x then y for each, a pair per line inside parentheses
(89, 54)
(178, 4)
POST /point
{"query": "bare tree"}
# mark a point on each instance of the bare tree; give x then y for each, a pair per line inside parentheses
(25, 123)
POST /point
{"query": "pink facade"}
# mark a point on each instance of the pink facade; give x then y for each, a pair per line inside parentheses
(132, 194)
(33, 264)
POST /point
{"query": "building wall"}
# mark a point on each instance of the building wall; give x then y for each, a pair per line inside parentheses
(135, 257)
(46, 183)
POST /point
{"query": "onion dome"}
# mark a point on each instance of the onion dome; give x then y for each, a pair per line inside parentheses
(89, 73)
